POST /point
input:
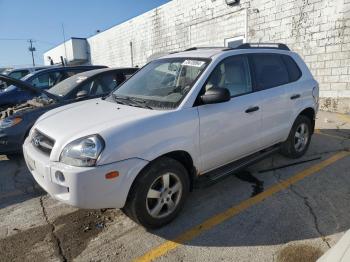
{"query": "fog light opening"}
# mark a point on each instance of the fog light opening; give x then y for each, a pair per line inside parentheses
(59, 176)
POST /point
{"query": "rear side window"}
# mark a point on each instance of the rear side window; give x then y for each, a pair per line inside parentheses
(270, 71)
(19, 74)
(292, 67)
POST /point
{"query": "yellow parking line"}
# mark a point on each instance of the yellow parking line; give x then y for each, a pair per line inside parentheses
(231, 212)
(319, 132)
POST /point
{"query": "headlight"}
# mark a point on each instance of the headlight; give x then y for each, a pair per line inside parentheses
(8, 122)
(83, 152)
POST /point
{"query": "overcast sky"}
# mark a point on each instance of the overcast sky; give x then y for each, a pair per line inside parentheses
(41, 20)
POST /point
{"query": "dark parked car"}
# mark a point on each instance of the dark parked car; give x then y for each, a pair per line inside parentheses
(19, 73)
(43, 79)
(15, 122)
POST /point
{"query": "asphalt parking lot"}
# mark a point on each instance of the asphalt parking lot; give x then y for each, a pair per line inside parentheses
(277, 210)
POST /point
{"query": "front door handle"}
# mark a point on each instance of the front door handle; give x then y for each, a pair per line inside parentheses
(296, 96)
(252, 109)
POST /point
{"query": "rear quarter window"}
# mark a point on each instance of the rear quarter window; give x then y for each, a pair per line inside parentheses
(292, 67)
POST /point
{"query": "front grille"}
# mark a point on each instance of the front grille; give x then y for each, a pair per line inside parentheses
(42, 142)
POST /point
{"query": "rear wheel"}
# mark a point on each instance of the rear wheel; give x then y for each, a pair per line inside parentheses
(299, 138)
(159, 193)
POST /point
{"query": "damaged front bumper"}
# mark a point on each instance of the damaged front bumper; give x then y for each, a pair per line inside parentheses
(12, 138)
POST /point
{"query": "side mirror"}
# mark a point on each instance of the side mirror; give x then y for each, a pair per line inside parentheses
(216, 95)
(81, 94)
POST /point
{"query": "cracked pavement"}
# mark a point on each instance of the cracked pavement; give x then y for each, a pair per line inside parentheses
(296, 224)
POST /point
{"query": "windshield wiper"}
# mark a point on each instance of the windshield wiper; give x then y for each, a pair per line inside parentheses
(131, 101)
(119, 100)
(140, 102)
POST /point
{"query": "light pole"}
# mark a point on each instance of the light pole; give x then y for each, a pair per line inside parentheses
(32, 49)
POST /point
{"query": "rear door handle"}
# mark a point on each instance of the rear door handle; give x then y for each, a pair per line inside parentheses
(296, 96)
(252, 109)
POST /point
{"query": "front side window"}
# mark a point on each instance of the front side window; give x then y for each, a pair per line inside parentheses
(162, 83)
(233, 74)
(270, 71)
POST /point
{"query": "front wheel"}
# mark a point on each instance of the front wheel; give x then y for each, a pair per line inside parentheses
(299, 138)
(158, 193)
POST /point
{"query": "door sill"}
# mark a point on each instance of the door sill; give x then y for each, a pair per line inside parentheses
(235, 166)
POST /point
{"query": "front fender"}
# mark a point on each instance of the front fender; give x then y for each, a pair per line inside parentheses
(175, 144)
(153, 137)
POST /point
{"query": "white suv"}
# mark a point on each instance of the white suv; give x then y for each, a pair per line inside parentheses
(204, 112)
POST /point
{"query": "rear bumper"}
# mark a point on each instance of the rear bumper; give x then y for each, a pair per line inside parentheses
(83, 187)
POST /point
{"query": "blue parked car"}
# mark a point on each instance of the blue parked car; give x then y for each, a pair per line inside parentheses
(15, 122)
(43, 79)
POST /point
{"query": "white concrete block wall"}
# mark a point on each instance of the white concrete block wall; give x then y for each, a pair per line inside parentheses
(319, 30)
(174, 26)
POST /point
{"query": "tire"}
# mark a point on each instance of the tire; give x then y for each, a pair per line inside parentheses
(151, 202)
(298, 140)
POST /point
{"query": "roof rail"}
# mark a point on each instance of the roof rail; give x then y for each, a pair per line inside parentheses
(263, 45)
(204, 47)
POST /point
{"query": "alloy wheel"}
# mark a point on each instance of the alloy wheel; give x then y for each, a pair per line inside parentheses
(301, 137)
(164, 195)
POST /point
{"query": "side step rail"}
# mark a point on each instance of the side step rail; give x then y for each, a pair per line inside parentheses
(236, 166)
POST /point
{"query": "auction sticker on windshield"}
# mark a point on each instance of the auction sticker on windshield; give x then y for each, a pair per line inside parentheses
(194, 63)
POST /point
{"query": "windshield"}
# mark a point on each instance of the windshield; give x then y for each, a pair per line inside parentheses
(63, 88)
(162, 83)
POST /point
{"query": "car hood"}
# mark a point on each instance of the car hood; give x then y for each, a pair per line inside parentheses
(19, 110)
(97, 116)
(25, 86)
